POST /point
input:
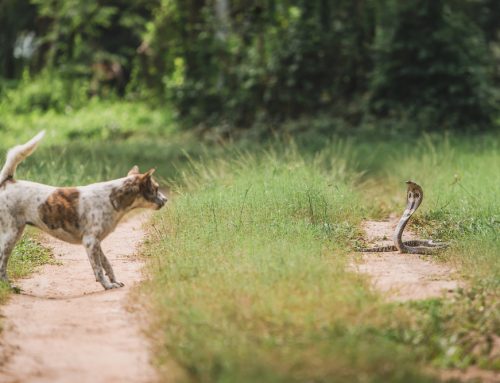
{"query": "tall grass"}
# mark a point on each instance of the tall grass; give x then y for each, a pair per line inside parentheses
(249, 264)
(250, 280)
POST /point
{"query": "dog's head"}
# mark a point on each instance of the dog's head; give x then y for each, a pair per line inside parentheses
(149, 195)
(138, 191)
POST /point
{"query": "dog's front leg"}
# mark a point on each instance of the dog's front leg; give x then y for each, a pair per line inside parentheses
(93, 247)
(109, 270)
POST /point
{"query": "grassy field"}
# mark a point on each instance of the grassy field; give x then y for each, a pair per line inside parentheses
(249, 264)
(249, 260)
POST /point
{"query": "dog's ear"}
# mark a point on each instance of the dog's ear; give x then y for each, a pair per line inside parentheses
(149, 173)
(133, 171)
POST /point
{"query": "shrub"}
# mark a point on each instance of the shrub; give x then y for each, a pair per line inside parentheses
(44, 92)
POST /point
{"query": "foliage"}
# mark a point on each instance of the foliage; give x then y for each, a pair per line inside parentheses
(243, 63)
(432, 63)
(89, 40)
(279, 60)
(275, 59)
(16, 17)
(45, 92)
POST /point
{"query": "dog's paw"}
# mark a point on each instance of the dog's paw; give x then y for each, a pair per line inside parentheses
(113, 285)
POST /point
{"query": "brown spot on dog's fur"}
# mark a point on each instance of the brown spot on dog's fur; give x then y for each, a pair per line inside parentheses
(60, 210)
(124, 196)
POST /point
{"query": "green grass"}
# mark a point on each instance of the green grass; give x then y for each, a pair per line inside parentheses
(97, 121)
(98, 142)
(249, 264)
(251, 282)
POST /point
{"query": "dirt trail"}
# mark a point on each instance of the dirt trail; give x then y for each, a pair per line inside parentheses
(65, 328)
(403, 276)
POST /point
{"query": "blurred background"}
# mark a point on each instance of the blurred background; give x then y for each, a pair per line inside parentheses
(263, 65)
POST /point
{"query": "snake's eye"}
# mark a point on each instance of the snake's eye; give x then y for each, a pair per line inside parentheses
(417, 195)
(409, 195)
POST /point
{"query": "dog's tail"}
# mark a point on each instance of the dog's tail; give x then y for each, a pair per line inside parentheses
(17, 154)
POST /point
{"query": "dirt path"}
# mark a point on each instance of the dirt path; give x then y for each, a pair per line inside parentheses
(403, 276)
(65, 328)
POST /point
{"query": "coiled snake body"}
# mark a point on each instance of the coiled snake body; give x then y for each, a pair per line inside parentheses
(414, 197)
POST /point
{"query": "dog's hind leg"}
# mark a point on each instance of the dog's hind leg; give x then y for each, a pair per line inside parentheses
(93, 247)
(8, 239)
(109, 269)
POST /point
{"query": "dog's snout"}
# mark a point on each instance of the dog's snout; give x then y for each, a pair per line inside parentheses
(161, 200)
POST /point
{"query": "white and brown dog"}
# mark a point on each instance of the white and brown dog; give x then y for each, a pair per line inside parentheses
(85, 214)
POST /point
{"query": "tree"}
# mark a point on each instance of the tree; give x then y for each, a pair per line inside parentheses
(431, 62)
(16, 17)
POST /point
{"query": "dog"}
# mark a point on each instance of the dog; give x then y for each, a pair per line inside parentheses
(79, 215)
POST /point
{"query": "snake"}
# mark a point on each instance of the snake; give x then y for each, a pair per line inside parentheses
(414, 197)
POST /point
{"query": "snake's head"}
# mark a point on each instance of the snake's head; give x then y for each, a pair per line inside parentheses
(414, 195)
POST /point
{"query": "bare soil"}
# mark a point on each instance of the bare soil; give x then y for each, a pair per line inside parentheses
(64, 327)
(403, 276)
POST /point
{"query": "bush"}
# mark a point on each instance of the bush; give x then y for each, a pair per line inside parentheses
(45, 92)
(274, 63)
